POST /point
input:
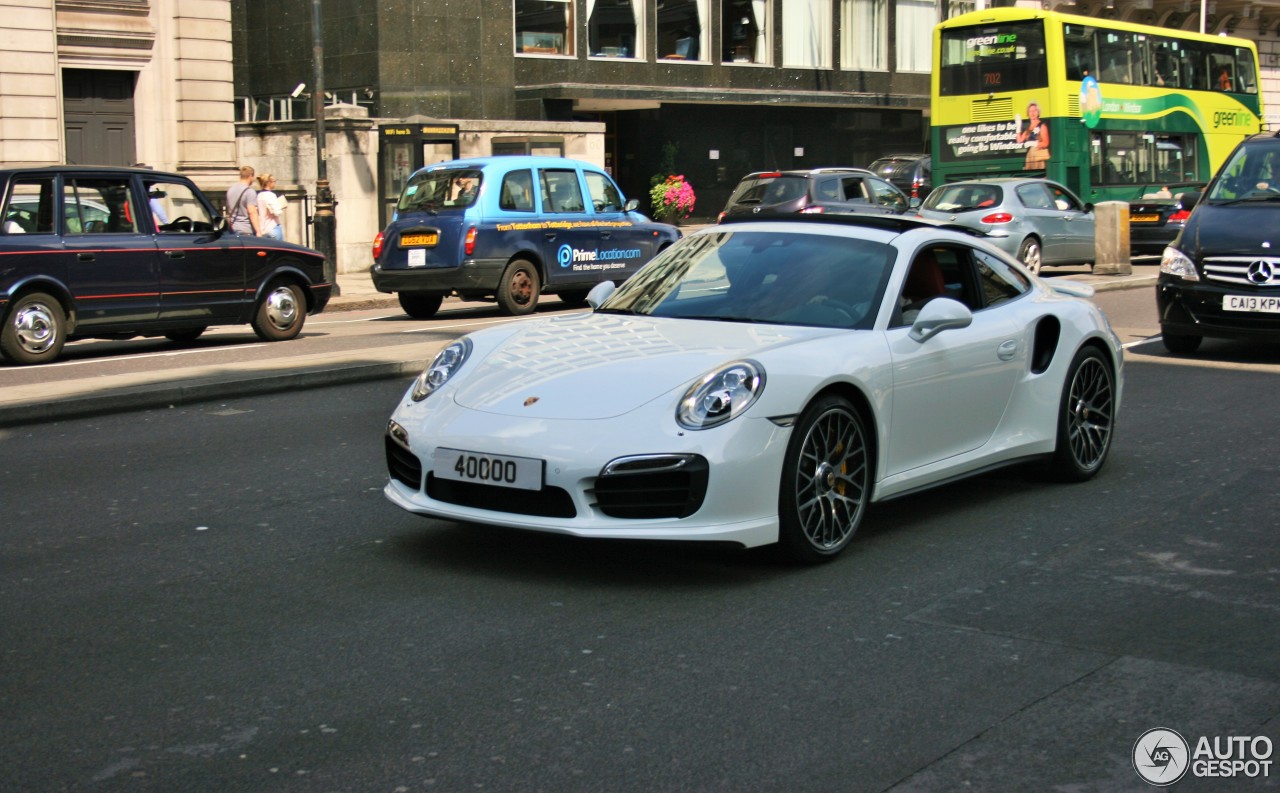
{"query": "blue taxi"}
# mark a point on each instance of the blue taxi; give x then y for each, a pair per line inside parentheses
(511, 229)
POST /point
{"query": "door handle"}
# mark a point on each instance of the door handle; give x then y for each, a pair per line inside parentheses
(85, 257)
(175, 254)
(551, 235)
(1007, 349)
(606, 235)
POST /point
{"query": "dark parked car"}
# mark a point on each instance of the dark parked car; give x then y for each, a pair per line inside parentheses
(1221, 276)
(1156, 219)
(911, 173)
(121, 252)
(821, 190)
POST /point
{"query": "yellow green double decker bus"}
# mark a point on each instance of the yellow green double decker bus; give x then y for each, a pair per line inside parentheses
(1115, 111)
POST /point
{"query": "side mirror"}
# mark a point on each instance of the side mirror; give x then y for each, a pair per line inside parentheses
(219, 224)
(939, 314)
(632, 205)
(915, 203)
(600, 293)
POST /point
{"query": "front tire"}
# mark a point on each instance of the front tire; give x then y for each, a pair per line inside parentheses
(1178, 344)
(826, 481)
(1086, 417)
(1030, 255)
(518, 290)
(420, 305)
(35, 330)
(280, 313)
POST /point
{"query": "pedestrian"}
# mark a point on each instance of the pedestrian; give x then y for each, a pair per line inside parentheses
(241, 209)
(270, 208)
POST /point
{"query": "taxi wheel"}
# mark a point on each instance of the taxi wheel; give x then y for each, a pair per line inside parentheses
(35, 330)
(518, 290)
(420, 305)
(281, 312)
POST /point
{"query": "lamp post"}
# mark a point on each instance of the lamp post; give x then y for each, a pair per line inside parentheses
(323, 219)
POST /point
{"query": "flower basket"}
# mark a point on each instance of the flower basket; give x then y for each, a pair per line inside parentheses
(672, 199)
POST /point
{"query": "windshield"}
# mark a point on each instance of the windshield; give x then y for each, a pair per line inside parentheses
(995, 58)
(768, 189)
(786, 278)
(433, 191)
(1253, 172)
(964, 197)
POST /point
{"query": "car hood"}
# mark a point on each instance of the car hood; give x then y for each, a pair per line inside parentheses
(1234, 230)
(598, 366)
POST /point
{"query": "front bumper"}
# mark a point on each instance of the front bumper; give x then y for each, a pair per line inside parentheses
(472, 276)
(1192, 308)
(575, 454)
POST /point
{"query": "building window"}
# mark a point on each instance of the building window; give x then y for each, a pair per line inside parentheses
(744, 30)
(864, 29)
(614, 28)
(914, 34)
(806, 33)
(681, 32)
(536, 145)
(544, 27)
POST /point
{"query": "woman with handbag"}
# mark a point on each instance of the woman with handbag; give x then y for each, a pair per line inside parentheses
(1035, 137)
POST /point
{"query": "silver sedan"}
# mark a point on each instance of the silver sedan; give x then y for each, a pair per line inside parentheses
(1039, 221)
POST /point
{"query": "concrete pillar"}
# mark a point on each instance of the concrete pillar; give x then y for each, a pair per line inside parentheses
(1111, 239)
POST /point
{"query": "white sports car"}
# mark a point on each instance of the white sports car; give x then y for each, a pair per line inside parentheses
(762, 382)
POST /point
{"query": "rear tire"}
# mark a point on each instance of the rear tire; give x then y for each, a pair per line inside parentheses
(518, 290)
(1178, 344)
(1086, 417)
(1031, 255)
(420, 305)
(34, 331)
(280, 313)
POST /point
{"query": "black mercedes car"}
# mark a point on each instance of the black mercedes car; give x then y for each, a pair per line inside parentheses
(119, 252)
(1221, 276)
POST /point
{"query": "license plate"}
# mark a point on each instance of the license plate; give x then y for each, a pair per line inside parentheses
(1144, 218)
(522, 473)
(410, 240)
(1265, 305)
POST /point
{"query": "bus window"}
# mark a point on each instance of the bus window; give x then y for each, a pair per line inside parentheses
(1164, 66)
(1117, 65)
(1246, 79)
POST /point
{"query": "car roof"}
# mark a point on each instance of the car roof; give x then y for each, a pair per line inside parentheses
(84, 169)
(892, 224)
(511, 161)
(810, 172)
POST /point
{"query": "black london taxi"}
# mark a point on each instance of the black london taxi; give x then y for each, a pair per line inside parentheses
(90, 252)
(1220, 278)
(511, 228)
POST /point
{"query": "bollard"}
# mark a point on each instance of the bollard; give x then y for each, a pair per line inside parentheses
(1111, 239)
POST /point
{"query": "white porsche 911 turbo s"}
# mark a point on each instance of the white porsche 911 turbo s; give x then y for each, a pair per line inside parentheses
(762, 382)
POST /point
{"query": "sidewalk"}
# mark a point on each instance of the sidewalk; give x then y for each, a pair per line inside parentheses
(112, 393)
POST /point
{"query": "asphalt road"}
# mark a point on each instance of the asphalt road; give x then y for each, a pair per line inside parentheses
(217, 597)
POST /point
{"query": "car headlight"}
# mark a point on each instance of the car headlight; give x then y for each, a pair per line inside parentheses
(720, 395)
(1175, 262)
(444, 366)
